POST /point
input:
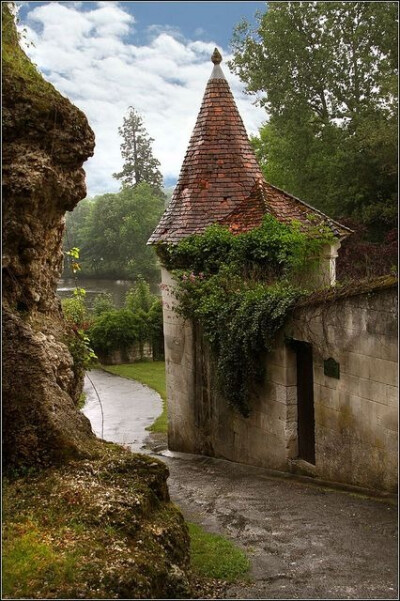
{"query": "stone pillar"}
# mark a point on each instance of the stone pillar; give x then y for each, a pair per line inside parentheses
(180, 371)
(328, 264)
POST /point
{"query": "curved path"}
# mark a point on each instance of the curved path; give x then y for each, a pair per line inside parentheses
(120, 409)
(304, 541)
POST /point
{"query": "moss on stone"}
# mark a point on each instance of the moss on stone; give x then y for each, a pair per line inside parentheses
(352, 289)
(103, 529)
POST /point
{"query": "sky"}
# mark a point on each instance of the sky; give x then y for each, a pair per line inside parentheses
(153, 56)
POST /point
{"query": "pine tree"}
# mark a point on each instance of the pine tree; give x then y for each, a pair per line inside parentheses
(139, 163)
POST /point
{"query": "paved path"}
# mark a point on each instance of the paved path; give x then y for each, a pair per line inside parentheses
(304, 541)
(121, 409)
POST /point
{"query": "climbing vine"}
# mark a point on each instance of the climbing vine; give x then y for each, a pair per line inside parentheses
(240, 288)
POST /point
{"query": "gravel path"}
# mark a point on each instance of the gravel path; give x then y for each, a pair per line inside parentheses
(304, 541)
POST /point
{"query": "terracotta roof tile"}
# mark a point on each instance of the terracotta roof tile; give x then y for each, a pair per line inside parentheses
(220, 180)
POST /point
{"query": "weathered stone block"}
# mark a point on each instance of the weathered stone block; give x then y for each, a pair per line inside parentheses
(291, 413)
(329, 418)
(282, 375)
(267, 450)
(392, 395)
(325, 381)
(390, 420)
(384, 371)
(368, 389)
(355, 364)
(326, 396)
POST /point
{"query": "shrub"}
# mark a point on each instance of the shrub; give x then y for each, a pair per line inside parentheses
(139, 297)
(155, 329)
(118, 329)
(78, 342)
(74, 308)
(103, 303)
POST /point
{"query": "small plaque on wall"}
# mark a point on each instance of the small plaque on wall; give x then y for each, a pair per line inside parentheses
(331, 368)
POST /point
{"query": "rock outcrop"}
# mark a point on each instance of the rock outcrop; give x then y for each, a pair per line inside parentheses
(110, 524)
(45, 142)
(87, 484)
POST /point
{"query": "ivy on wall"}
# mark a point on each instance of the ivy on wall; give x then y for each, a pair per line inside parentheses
(240, 288)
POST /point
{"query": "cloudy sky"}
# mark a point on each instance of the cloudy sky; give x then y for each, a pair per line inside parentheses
(154, 56)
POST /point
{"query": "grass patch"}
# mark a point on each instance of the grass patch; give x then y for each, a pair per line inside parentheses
(213, 556)
(82, 401)
(29, 561)
(152, 374)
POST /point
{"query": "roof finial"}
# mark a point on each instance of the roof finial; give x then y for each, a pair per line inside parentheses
(216, 57)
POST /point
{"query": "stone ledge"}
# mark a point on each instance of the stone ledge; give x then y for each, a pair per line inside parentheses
(302, 468)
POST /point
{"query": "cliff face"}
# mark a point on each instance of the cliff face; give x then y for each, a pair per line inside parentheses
(45, 142)
(133, 542)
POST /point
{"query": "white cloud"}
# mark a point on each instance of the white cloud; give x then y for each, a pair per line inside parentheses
(89, 57)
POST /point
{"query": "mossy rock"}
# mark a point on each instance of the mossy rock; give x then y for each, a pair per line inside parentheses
(97, 529)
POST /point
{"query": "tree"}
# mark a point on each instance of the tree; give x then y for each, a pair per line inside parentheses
(112, 231)
(139, 163)
(327, 72)
(75, 234)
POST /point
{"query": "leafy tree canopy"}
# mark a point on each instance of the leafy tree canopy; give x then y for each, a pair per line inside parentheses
(327, 73)
(112, 230)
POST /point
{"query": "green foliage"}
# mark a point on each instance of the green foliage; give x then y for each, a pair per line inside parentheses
(331, 95)
(214, 556)
(156, 329)
(239, 319)
(118, 329)
(79, 345)
(112, 232)
(139, 163)
(240, 290)
(81, 401)
(73, 255)
(140, 297)
(74, 308)
(270, 251)
(102, 303)
(77, 317)
(139, 321)
(140, 300)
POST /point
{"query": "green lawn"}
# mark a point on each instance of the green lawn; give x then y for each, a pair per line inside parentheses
(151, 373)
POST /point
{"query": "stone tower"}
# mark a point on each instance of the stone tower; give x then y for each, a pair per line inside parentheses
(220, 182)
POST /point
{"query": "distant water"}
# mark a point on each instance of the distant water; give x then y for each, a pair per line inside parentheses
(93, 287)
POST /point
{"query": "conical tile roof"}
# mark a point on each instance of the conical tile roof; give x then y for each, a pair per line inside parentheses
(221, 181)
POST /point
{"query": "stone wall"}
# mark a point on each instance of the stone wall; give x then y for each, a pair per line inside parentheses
(355, 416)
(180, 372)
(136, 352)
(356, 425)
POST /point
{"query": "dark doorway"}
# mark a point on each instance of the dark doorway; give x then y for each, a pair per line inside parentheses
(305, 401)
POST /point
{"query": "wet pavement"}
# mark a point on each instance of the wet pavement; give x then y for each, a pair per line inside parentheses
(304, 541)
(120, 409)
